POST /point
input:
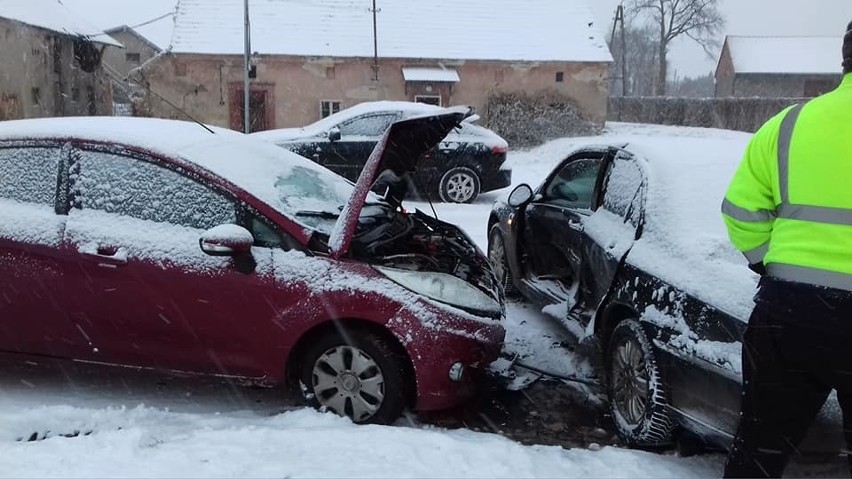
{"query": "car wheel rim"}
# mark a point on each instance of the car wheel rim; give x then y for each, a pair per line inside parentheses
(630, 381)
(460, 187)
(349, 382)
(497, 255)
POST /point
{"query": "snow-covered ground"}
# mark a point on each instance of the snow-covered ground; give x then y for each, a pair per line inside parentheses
(139, 426)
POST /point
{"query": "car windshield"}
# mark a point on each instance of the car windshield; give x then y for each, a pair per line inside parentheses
(293, 185)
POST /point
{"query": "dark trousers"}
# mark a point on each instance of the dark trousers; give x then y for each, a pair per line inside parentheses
(797, 348)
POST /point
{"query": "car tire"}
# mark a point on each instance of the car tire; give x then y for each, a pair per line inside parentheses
(360, 377)
(459, 185)
(499, 261)
(637, 390)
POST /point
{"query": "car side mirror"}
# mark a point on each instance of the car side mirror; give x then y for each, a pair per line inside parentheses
(226, 240)
(334, 134)
(520, 195)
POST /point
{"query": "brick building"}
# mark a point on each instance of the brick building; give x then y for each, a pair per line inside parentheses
(778, 67)
(61, 73)
(313, 58)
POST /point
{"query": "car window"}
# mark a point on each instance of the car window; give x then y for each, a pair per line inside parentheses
(29, 174)
(574, 185)
(622, 191)
(369, 125)
(146, 191)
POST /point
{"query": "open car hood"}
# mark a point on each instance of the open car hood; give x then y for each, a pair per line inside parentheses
(400, 150)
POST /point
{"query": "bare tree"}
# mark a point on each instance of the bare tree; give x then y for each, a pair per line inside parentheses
(641, 62)
(698, 20)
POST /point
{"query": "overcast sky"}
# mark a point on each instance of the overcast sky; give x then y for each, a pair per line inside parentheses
(744, 17)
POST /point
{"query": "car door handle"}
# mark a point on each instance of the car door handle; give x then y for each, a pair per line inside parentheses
(108, 257)
(575, 225)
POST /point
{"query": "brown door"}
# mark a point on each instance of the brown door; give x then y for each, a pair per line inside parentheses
(261, 108)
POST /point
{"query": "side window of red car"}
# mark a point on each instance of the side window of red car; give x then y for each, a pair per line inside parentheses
(133, 187)
(28, 175)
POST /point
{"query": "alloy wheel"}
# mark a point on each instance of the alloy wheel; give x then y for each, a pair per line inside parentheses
(630, 381)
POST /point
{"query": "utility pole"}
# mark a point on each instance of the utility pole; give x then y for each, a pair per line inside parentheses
(246, 69)
(619, 18)
(375, 45)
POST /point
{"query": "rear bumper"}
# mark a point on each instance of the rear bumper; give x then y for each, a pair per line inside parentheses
(446, 339)
(499, 179)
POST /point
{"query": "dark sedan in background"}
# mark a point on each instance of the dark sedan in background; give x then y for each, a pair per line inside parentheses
(629, 238)
(469, 160)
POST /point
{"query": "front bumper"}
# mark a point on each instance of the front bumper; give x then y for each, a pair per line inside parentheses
(437, 339)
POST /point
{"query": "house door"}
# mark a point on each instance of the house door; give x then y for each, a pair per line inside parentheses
(261, 109)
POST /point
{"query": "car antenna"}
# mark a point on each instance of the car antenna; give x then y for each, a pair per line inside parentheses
(124, 81)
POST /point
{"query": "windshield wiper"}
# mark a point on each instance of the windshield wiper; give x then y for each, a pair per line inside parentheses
(318, 214)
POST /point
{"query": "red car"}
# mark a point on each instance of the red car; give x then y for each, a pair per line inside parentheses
(169, 245)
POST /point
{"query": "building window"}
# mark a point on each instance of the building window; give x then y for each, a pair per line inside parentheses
(57, 55)
(36, 95)
(75, 94)
(428, 99)
(132, 58)
(329, 73)
(180, 69)
(560, 77)
(328, 108)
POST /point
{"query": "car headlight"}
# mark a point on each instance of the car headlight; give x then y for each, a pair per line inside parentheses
(444, 288)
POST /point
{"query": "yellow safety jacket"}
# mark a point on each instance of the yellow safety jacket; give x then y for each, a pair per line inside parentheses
(789, 204)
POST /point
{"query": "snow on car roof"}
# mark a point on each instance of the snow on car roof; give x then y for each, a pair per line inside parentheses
(54, 16)
(246, 162)
(554, 30)
(684, 241)
(408, 108)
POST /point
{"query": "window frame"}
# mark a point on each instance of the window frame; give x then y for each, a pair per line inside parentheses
(417, 99)
(331, 107)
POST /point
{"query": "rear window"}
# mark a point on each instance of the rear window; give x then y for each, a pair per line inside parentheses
(29, 174)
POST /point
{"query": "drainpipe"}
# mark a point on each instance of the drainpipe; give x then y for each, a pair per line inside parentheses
(247, 65)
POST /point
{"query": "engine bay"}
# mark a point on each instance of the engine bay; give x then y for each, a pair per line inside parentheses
(394, 238)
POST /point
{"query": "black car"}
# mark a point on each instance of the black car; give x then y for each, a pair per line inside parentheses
(469, 161)
(629, 237)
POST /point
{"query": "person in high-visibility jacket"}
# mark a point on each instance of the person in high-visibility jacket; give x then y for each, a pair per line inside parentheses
(789, 210)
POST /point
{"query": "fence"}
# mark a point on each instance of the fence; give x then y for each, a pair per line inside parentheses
(743, 114)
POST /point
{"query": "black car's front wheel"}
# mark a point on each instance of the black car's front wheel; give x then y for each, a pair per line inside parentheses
(459, 185)
(359, 376)
(637, 392)
(499, 261)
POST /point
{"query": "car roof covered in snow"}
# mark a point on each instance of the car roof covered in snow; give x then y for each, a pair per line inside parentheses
(248, 163)
(52, 15)
(684, 240)
(408, 109)
(554, 30)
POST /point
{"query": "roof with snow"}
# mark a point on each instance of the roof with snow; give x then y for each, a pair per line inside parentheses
(54, 16)
(157, 33)
(786, 55)
(553, 30)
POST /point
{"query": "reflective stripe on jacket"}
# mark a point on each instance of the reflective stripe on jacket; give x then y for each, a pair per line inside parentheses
(789, 204)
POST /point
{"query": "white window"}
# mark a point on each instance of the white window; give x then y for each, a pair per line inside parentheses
(329, 107)
(428, 99)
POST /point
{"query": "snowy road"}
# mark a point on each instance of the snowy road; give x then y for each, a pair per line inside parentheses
(141, 425)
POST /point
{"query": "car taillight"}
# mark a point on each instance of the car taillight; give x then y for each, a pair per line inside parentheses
(499, 149)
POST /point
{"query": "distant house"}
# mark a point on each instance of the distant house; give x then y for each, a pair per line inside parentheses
(778, 67)
(313, 58)
(141, 44)
(51, 62)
